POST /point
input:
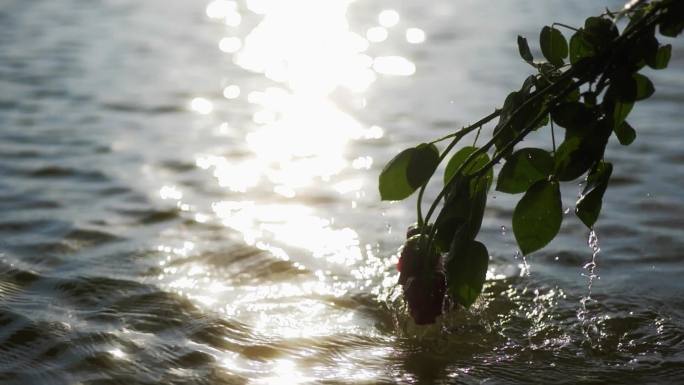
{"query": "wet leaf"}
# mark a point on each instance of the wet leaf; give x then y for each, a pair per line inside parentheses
(599, 32)
(461, 216)
(537, 217)
(631, 88)
(575, 116)
(422, 164)
(580, 47)
(579, 151)
(644, 50)
(661, 58)
(522, 169)
(625, 133)
(588, 206)
(524, 49)
(467, 272)
(644, 87)
(572, 159)
(553, 45)
(673, 23)
(511, 123)
(459, 157)
(393, 181)
(620, 112)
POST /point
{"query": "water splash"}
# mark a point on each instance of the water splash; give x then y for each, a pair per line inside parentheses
(524, 266)
(588, 318)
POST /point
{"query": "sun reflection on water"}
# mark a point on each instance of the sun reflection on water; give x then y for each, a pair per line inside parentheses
(302, 52)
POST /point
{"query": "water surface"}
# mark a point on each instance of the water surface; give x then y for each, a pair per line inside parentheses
(189, 196)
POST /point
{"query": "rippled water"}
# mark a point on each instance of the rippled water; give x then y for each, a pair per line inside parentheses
(188, 195)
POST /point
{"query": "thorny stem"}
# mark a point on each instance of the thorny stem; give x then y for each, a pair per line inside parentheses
(587, 74)
(645, 22)
(490, 143)
(626, 36)
(564, 26)
(457, 136)
(467, 129)
(505, 149)
(553, 136)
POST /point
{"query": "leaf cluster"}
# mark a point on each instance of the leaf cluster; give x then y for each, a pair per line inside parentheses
(585, 87)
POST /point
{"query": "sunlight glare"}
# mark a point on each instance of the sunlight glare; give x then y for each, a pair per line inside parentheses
(388, 18)
(415, 35)
(219, 9)
(394, 65)
(202, 106)
(376, 34)
(230, 44)
(312, 52)
(285, 373)
(231, 92)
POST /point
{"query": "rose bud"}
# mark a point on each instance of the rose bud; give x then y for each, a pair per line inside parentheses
(425, 297)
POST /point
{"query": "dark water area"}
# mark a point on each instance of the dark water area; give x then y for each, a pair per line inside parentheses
(188, 196)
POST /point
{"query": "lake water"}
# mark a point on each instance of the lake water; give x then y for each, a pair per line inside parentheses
(189, 196)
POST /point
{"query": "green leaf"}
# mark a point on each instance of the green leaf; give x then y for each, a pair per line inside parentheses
(631, 88)
(644, 50)
(554, 47)
(460, 218)
(599, 32)
(467, 272)
(575, 116)
(620, 112)
(524, 49)
(459, 157)
(644, 87)
(572, 159)
(538, 215)
(408, 171)
(522, 169)
(580, 47)
(393, 181)
(625, 133)
(422, 164)
(510, 124)
(661, 58)
(588, 206)
(579, 151)
(454, 213)
(673, 23)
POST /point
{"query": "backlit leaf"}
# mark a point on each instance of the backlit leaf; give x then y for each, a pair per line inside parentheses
(625, 133)
(524, 49)
(522, 169)
(661, 58)
(554, 47)
(459, 157)
(422, 164)
(466, 272)
(574, 116)
(588, 206)
(393, 181)
(538, 215)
